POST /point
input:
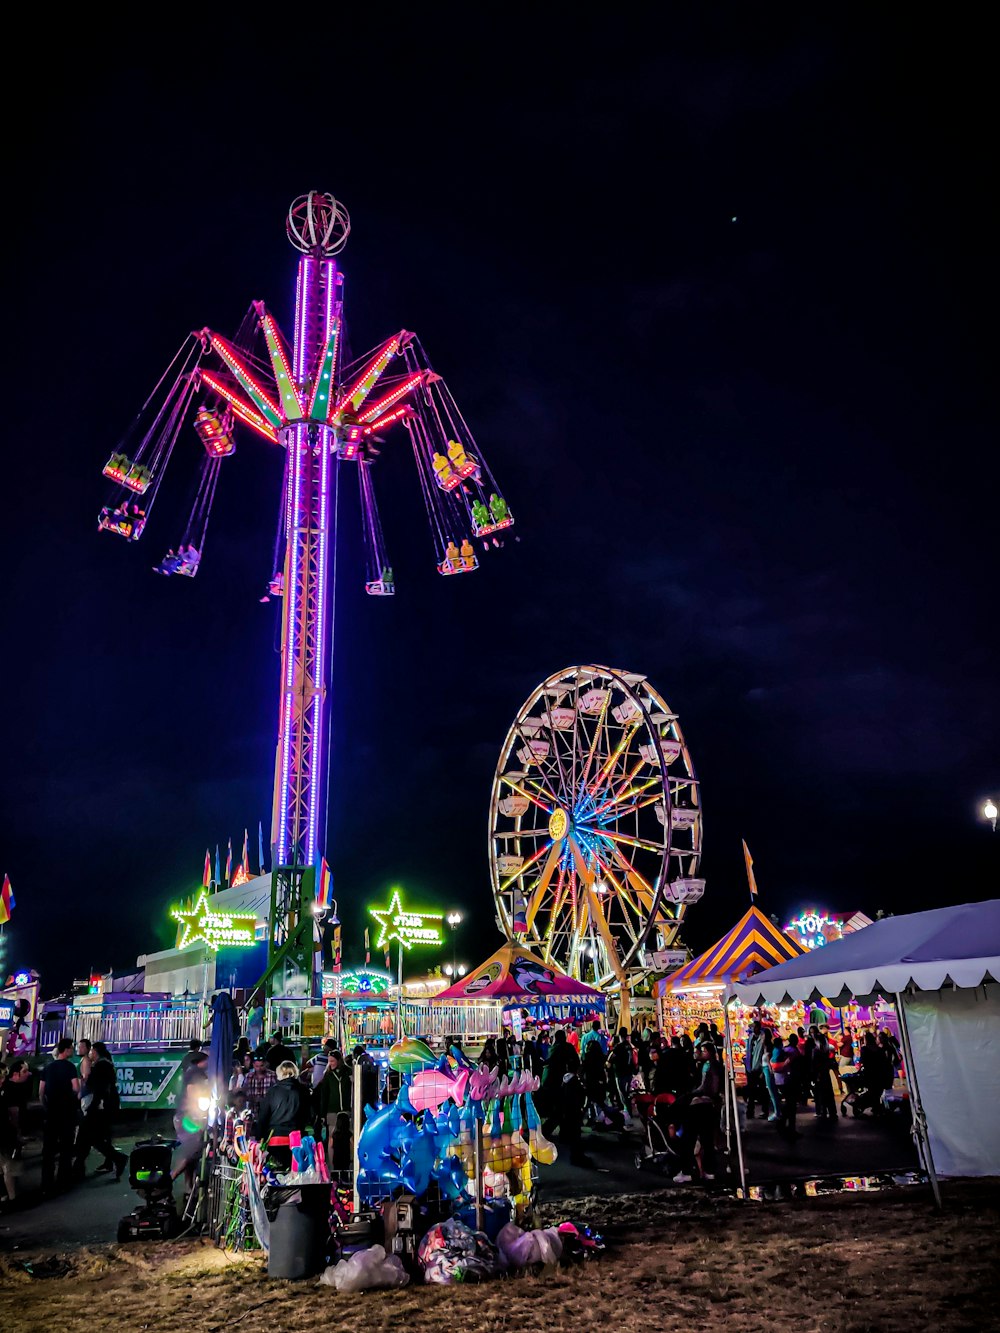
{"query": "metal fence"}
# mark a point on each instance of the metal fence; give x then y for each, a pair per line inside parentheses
(131, 1027)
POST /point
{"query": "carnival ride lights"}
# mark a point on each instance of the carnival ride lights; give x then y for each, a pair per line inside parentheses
(321, 410)
(595, 826)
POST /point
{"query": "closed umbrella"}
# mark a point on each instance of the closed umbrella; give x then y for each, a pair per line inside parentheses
(220, 1051)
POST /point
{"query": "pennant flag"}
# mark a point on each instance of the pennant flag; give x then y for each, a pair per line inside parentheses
(324, 888)
(260, 846)
(206, 878)
(520, 914)
(7, 903)
(368, 955)
(218, 877)
(749, 860)
(246, 856)
(336, 947)
(229, 863)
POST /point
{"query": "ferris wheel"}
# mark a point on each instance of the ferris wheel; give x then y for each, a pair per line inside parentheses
(595, 826)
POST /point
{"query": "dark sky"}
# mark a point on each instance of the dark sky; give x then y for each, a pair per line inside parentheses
(716, 296)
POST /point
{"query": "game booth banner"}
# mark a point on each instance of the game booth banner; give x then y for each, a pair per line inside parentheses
(517, 980)
(694, 994)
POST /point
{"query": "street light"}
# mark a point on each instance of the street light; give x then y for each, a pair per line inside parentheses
(451, 970)
(454, 920)
(991, 812)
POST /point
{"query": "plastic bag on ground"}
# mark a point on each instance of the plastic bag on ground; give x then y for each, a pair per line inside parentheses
(519, 1249)
(451, 1252)
(365, 1271)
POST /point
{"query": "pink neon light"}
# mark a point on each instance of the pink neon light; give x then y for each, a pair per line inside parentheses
(228, 355)
(368, 377)
(245, 413)
(393, 396)
(294, 566)
(384, 422)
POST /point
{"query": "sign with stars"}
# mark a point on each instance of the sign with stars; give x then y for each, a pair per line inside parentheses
(407, 928)
(217, 929)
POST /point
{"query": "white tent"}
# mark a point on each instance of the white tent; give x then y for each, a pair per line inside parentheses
(940, 968)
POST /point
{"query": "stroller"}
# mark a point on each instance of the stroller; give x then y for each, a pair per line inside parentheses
(660, 1113)
(149, 1175)
(860, 1096)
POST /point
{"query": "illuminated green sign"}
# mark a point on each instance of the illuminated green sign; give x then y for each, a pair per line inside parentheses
(408, 928)
(218, 929)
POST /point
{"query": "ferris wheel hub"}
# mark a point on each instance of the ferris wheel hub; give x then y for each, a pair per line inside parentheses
(558, 824)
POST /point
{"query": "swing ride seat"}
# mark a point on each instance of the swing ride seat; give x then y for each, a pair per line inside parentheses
(189, 560)
(449, 475)
(485, 529)
(463, 565)
(117, 468)
(380, 588)
(350, 442)
(212, 432)
(129, 526)
(138, 479)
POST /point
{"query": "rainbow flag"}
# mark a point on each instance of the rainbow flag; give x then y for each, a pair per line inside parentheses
(7, 903)
(324, 886)
(206, 877)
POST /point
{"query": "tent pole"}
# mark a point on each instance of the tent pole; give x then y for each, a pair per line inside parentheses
(920, 1133)
(731, 1083)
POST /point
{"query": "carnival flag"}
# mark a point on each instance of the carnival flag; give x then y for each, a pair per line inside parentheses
(368, 954)
(218, 877)
(7, 903)
(324, 890)
(246, 856)
(229, 863)
(206, 878)
(749, 860)
(260, 846)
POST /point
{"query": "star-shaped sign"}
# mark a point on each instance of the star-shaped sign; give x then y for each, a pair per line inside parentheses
(407, 928)
(215, 928)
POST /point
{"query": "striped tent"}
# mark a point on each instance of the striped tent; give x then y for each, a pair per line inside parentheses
(752, 945)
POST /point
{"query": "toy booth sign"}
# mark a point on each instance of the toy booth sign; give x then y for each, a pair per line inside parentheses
(814, 929)
(406, 928)
(218, 929)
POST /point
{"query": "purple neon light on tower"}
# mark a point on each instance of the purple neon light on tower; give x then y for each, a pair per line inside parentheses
(317, 226)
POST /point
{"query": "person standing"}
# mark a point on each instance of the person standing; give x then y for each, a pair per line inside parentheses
(564, 1097)
(331, 1099)
(258, 1082)
(191, 1118)
(770, 1085)
(788, 1076)
(701, 1117)
(83, 1052)
(622, 1069)
(60, 1089)
(95, 1132)
(278, 1053)
(823, 1067)
(754, 1064)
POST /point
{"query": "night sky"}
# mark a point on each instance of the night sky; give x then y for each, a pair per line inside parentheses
(716, 297)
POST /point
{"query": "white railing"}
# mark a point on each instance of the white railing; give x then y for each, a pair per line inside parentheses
(128, 1027)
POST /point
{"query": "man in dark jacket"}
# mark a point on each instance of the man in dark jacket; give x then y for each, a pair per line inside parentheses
(332, 1098)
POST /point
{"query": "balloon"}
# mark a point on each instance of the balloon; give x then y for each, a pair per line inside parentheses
(409, 1054)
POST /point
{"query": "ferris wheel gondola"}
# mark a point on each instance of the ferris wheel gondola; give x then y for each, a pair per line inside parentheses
(595, 826)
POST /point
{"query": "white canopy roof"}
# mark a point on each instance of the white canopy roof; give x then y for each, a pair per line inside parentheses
(956, 945)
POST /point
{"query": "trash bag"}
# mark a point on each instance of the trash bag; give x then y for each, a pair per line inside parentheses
(451, 1252)
(520, 1249)
(365, 1271)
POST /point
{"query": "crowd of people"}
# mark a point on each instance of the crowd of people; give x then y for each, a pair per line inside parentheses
(588, 1077)
(78, 1090)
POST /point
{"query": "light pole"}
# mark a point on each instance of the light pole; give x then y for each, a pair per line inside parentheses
(454, 920)
(990, 812)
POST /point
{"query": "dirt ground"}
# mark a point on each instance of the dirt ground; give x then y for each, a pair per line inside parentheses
(675, 1260)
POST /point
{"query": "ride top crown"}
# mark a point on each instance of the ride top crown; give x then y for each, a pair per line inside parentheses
(318, 224)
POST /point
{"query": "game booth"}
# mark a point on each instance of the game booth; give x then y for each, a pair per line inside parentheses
(941, 970)
(522, 989)
(696, 992)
